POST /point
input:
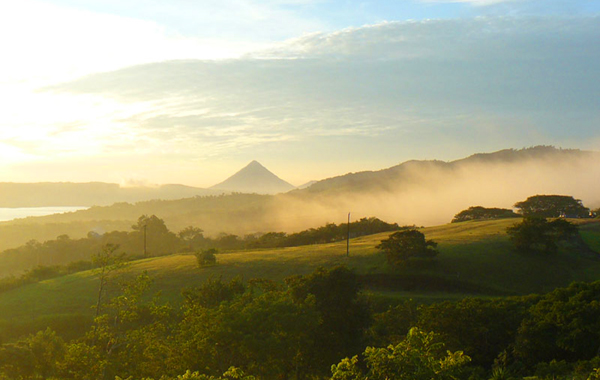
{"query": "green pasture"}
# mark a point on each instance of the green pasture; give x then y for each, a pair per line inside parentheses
(476, 259)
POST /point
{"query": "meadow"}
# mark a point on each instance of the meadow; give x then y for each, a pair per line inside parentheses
(476, 260)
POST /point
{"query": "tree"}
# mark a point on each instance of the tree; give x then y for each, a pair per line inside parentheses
(268, 240)
(158, 239)
(537, 235)
(269, 335)
(34, 357)
(213, 292)
(47, 349)
(483, 213)
(552, 206)
(192, 236)
(206, 257)
(467, 325)
(229, 241)
(563, 325)
(232, 373)
(107, 262)
(343, 316)
(404, 245)
(417, 357)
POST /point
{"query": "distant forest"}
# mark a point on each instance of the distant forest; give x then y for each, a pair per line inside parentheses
(159, 241)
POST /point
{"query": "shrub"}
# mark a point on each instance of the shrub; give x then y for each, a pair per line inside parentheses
(206, 257)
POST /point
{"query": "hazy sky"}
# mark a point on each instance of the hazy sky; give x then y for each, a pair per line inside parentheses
(179, 91)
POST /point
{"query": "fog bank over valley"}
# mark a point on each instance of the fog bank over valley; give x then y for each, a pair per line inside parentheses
(415, 192)
(432, 192)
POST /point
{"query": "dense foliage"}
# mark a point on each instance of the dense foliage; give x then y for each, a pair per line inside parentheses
(538, 235)
(483, 213)
(301, 329)
(271, 331)
(402, 246)
(325, 234)
(417, 357)
(552, 206)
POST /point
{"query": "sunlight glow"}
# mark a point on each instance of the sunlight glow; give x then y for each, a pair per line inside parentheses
(44, 42)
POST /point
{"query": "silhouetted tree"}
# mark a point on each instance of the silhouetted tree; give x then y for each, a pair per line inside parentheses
(552, 206)
(483, 213)
(538, 235)
(159, 240)
(404, 245)
(193, 237)
(344, 317)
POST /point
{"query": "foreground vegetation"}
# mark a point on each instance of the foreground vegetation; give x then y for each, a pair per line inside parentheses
(445, 302)
(316, 326)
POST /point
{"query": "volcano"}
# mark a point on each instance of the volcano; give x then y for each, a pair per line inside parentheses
(254, 178)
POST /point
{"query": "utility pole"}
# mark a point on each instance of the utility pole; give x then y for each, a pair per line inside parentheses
(145, 226)
(348, 238)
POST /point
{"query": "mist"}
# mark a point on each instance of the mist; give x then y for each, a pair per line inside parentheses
(427, 195)
(422, 193)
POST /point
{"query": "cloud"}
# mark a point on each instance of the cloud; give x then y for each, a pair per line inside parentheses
(507, 38)
(56, 40)
(46, 42)
(474, 2)
(391, 91)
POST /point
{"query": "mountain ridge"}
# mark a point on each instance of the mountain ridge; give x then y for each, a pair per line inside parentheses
(414, 192)
(96, 193)
(407, 168)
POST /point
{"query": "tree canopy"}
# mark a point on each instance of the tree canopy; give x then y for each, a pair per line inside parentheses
(417, 357)
(552, 206)
(259, 331)
(343, 316)
(483, 213)
(537, 235)
(404, 245)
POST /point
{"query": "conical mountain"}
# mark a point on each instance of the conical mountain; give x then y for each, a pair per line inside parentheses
(254, 178)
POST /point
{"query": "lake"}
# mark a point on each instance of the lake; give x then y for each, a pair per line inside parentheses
(23, 212)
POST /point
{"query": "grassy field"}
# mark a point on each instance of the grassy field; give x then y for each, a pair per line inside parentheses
(476, 258)
(590, 232)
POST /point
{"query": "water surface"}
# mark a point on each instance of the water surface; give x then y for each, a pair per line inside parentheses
(23, 212)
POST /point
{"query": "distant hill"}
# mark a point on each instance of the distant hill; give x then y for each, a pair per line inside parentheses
(307, 184)
(89, 194)
(254, 178)
(421, 172)
(422, 193)
(386, 179)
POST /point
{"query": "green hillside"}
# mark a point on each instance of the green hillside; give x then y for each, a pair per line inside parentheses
(476, 258)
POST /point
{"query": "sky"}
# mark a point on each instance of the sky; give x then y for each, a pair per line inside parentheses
(177, 91)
